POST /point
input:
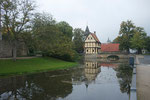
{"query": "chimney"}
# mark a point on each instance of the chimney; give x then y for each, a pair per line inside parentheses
(94, 32)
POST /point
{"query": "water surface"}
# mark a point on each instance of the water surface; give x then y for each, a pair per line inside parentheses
(91, 80)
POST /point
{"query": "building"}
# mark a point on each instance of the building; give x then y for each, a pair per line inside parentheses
(108, 41)
(110, 47)
(87, 32)
(92, 44)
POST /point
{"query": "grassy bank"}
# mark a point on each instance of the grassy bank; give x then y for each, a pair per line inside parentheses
(22, 66)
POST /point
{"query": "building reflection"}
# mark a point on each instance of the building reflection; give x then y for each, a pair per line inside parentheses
(92, 69)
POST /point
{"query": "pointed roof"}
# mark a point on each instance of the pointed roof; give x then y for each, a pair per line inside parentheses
(95, 37)
(108, 41)
(87, 31)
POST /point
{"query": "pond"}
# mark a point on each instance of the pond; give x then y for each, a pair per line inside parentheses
(92, 80)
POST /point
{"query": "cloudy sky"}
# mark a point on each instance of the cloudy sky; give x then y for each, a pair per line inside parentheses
(102, 16)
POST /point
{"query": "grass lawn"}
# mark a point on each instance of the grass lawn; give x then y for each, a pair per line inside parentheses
(22, 66)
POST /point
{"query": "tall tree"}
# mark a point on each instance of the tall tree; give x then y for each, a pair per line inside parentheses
(126, 32)
(78, 40)
(15, 19)
(44, 31)
(66, 29)
(138, 40)
(50, 39)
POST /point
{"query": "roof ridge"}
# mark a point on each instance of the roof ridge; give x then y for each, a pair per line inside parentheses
(95, 37)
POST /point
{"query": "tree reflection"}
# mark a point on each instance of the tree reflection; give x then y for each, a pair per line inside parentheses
(124, 74)
(44, 86)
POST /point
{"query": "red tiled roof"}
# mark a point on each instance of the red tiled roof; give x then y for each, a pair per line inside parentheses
(95, 37)
(110, 47)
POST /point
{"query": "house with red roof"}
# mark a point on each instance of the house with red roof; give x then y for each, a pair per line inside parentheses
(92, 44)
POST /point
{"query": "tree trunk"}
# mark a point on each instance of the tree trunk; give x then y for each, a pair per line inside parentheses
(128, 50)
(14, 50)
(139, 51)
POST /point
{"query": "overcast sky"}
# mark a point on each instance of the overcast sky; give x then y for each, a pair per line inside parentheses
(102, 16)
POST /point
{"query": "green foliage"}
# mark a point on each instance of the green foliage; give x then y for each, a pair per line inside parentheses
(16, 18)
(50, 39)
(138, 40)
(131, 37)
(29, 42)
(8, 67)
(41, 33)
(78, 40)
(126, 32)
(65, 28)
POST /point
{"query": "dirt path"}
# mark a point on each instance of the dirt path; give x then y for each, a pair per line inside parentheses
(143, 81)
(23, 57)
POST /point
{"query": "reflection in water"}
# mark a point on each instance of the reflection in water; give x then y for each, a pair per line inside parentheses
(35, 87)
(91, 81)
(92, 69)
(9, 87)
(124, 73)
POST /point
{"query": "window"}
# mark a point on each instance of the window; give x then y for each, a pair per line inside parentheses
(87, 50)
(88, 38)
(93, 50)
(91, 38)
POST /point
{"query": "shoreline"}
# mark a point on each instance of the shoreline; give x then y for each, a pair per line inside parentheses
(32, 65)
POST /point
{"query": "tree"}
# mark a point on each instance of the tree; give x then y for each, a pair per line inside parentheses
(16, 19)
(66, 29)
(45, 32)
(78, 40)
(126, 32)
(117, 39)
(138, 40)
(30, 42)
(50, 39)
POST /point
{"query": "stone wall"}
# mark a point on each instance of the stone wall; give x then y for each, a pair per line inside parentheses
(22, 49)
(6, 49)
